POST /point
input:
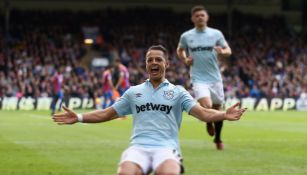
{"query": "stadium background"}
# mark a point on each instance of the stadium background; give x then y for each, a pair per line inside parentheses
(268, 39)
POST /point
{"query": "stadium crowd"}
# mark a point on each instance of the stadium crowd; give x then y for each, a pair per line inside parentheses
(269, 60)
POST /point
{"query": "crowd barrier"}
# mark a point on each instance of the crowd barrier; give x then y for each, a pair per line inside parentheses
(252, 104)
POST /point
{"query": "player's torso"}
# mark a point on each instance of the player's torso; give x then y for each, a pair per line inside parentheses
(57, 82)
(105, 78)
(155, 103)
(200, 46)
(156, 116)
(125, 73)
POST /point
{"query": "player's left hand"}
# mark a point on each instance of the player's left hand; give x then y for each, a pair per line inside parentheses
(233, 114)
(188, 61)
(218, 49)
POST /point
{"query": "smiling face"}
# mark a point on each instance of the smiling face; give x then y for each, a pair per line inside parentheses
(156, 64)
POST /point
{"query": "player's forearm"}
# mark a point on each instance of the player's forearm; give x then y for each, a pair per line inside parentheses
(181, 54)
(207, 115)
(226, 52)
(212, 115)
(99, 116)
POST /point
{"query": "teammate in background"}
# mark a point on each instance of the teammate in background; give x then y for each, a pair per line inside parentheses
(57, 91)
(108, 87)
(200, 49)
(156, 106)
(123, 78)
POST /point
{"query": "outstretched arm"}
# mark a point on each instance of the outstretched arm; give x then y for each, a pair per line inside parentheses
(211, 115)
(70, 117)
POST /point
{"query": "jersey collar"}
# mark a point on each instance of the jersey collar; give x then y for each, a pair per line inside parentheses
(165, 82)
(201, 31)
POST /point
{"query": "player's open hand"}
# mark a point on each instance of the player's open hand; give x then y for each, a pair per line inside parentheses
(68, 117)
(233, 113)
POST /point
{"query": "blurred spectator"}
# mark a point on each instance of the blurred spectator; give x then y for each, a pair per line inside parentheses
(301, 104)
(268, 60)
(57, 89)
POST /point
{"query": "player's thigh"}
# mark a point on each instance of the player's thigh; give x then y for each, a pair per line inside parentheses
(217, 94)
(135, 160)
(202, 94)
(168, 167)
(205, 102)
(129, 168)
(167, 161)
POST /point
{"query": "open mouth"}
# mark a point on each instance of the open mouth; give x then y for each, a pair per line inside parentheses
(154, 70)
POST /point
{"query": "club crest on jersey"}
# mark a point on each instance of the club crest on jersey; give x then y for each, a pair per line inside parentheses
(168, 94)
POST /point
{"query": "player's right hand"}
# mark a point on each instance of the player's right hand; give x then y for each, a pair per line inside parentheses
(188, 61)
(68, 117)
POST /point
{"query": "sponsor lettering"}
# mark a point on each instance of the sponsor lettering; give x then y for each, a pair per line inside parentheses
(153, 107)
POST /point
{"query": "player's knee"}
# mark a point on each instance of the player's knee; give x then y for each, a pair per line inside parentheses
(169, 167)
(205, 102)
(167, 172)
(128, 168)
(128, 172)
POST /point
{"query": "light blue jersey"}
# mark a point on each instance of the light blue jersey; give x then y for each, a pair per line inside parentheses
(200, 45)
(157, 113)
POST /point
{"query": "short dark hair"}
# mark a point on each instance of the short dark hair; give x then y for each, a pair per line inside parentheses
(159, 47)
(197, 8)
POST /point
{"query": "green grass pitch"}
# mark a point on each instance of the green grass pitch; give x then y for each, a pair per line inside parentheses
(262, 143)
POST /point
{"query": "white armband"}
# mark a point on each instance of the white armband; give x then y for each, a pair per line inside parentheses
(80, 118)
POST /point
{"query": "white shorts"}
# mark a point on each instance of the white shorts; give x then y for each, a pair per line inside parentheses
(214, 91)
(149, 159)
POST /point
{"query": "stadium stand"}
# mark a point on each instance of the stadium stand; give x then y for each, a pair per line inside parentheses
(269, 60)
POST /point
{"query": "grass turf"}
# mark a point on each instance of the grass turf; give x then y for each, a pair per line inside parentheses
(267, 143)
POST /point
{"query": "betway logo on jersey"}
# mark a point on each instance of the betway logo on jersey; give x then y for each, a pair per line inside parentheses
(153, 107)
(195, 49)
